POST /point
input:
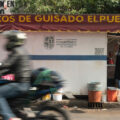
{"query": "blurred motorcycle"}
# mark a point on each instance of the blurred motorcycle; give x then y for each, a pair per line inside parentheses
(45, 82)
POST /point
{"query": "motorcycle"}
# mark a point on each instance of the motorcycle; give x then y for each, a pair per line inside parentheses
(46, 110)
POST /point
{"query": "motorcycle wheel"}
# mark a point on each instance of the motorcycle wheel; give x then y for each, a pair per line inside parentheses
(52, 113)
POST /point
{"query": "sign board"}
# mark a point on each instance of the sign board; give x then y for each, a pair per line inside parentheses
(95, 23)
(6, 5)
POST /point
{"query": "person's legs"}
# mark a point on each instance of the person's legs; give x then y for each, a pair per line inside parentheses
(13, 89)
(9, 91)
(6, 112)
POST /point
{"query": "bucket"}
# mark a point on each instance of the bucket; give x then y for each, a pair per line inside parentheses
(112, 94)
(57, 97)
(94, 96)
(94, 92)
(118, 96)
(46, 97)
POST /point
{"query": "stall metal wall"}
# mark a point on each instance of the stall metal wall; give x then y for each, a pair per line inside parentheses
(79, 57)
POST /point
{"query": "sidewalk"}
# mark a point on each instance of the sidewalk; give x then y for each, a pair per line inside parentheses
(84, 103)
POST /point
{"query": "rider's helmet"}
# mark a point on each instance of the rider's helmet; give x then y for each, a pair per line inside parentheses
(15, 39)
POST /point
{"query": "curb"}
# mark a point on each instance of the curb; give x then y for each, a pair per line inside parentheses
(84, 103)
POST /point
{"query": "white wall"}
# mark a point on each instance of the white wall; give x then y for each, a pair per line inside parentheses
(77, 73)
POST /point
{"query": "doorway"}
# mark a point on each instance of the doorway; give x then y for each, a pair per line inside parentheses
(113, 45)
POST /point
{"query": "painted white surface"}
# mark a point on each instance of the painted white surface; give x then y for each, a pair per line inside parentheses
(3, 53)
(86, 43)
(76, 73)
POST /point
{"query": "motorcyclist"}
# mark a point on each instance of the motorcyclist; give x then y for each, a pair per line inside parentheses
(18, 64)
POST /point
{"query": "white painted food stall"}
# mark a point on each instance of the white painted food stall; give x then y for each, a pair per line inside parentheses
(79, 57)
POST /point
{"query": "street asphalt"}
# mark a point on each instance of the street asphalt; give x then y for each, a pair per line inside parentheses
(87, 114)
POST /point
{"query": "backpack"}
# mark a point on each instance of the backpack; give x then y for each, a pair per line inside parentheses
(45, 77)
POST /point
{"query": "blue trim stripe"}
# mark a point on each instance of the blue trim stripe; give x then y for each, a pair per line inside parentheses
(68, 57)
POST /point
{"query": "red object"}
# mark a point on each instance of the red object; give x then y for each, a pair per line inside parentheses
(111, 61)
(10, 77)
(61, 23)
(112, 95)
(94, 96)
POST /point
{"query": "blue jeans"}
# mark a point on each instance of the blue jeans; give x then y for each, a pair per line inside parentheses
(8, 91)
